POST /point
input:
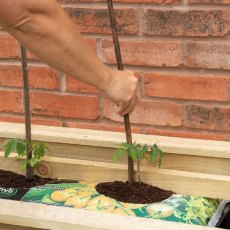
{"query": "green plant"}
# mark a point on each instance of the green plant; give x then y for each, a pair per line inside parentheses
(37, 149)
(138, 152)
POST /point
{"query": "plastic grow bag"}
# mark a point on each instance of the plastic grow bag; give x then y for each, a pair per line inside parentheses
(177, 208)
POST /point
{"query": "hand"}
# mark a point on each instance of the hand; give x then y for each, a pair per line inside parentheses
(123, 90)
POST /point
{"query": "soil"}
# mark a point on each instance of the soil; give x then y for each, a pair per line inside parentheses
(135, 192)
(10, 179)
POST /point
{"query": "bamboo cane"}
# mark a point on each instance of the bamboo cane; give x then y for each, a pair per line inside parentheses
(26, 101)
(120, 67)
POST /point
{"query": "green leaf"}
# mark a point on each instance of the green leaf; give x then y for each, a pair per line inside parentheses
(34, 161)
(133, 156)
(10, 147)
(153, 155)
(156, 153)
(23, 165)
(133, 153)
(31, 146)
(137, 147)
(21, 149)
(119, 153)
(143, 151)
(161, 152)
(39, 151)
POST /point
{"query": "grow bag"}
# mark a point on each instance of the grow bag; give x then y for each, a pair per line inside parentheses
(177, 208)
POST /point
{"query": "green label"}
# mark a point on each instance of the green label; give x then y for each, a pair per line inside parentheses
(7, 192)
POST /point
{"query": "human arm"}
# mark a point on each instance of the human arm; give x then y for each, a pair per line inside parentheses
(45, 29)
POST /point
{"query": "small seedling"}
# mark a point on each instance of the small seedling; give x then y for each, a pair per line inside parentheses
(37, 149)
(138, 152)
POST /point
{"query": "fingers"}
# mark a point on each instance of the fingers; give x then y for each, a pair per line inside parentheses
(123, 90)
(128, 109)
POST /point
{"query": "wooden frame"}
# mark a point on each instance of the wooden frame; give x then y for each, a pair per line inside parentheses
(204, 165)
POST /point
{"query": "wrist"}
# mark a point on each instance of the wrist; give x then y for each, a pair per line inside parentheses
(107, 81)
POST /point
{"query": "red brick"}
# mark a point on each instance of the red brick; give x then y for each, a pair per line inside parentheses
(12, 119)
(186, 23)
(104, 127)
(10, 75)
(35, 121)
(73, 84)
(39, 77)
(97, 20)
(149, 113)
(187, 134)
(210, 1)
(43, 77)
(211, 88)
(11, 101)
(59, 105)
(8, 47)
(209, 55)
(145, 53)
(207, 117)
(47, 121)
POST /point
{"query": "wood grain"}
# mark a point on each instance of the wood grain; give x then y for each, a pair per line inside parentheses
(219, 149)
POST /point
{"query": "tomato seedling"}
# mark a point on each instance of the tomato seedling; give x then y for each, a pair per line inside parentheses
(37, 149)
(138, 152)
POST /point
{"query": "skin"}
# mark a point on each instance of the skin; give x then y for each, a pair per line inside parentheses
(46, 30)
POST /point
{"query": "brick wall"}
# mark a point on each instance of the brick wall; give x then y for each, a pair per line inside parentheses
(180, 51)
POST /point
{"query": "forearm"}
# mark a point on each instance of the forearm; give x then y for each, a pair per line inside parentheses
(45, 29)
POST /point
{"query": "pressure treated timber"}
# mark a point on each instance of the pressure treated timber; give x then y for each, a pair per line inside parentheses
(59, 218)
(207, 185)
(212, 157)
(219, 149)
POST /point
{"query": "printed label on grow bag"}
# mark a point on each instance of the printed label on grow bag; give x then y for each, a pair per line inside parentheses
(12, 193)
(177, 208)
(82, 195)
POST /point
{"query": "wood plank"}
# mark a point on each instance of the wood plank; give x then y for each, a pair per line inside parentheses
(191, 163)
(219, 149)
(182, 182)
(201, 164)
(15, 227)
(59, 218)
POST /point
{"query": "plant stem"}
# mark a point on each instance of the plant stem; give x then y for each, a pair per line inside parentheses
(26, 101)
(129, 141)
(120, 67)
(138, 170)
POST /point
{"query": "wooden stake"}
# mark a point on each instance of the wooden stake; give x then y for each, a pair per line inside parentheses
(26, 101)
(120, 67)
